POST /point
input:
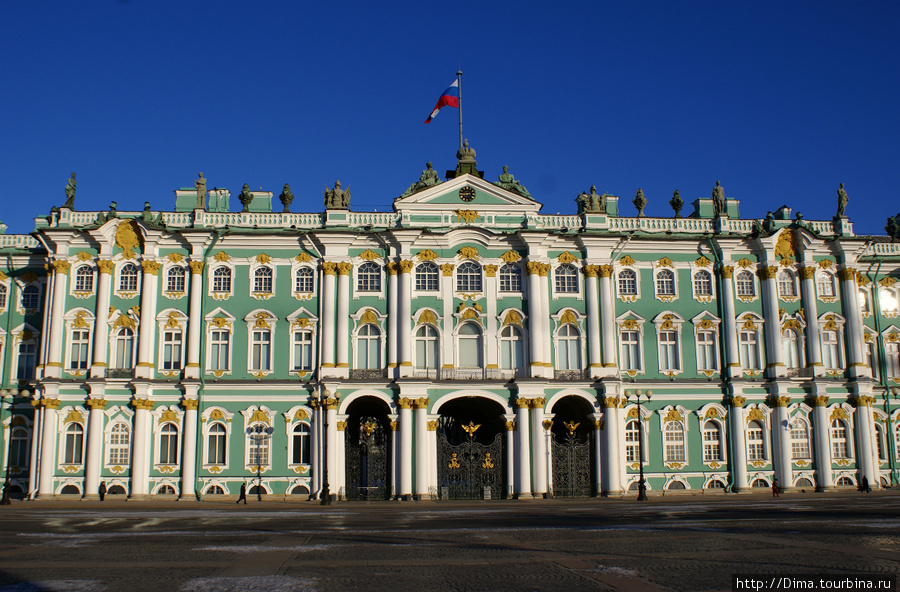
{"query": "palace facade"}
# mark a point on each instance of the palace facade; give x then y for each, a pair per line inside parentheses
(462, 346)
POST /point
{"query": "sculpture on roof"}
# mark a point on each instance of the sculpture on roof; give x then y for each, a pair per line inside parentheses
(428, 178)
(640, 202)
(337, 198)
(70, 193)
(718, 198)
(677, 203)
(200, 184)
(768, 224)
(508, 182)
(842, 201)
(286, 198)
(466, 154)
(246, 197)
(591, 203)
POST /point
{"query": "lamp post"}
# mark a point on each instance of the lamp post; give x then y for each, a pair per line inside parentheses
(895, 392)
(637, 394)
(324, 401)
(11, 393)
(260, 435)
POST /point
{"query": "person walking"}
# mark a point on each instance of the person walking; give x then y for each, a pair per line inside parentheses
(243, 495)
(774, 487)
(102, 490)
(865, 485)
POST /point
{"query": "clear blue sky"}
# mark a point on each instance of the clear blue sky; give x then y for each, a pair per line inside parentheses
(780, 100)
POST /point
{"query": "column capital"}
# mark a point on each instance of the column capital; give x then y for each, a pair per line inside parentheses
(533, 267)
(421, 403)
(190, 404)
(781, 401)
(726, 271)
(510, 426)
(547, 423)
(820, 401)
(536, 403)
(95, 403)
(106, 266)
(847, 274)
(392, 268)
(523, 403)
(331, 403)
(447, 269)
(432, 425)
(807, 273)
(47, 403)
(61, 266)
(405, 265)
(150, 267)
(769, 273)
(610, 402)
(344, 267)
(196, 267)
(737, 401)
(865, 401)
(490, 270)
(328, 267)
(395, 425)
(341, 426)
(591, 270)
(405, 403)
(145, 404)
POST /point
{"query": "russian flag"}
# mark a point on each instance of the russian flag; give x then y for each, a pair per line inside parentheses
(449, 98)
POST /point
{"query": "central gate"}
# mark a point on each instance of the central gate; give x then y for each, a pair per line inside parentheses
(470, 469)
(367, 451)
(571, 455)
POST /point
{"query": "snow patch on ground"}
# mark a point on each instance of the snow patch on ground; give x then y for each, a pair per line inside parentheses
(619, 571)
(263, 548)
(55, 586)
(253, 584)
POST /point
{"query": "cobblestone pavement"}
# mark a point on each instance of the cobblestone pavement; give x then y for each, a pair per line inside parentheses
(671, 543)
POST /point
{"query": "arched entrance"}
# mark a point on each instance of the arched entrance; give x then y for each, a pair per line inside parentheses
(367, 447)
(471, 449)
(571, 449)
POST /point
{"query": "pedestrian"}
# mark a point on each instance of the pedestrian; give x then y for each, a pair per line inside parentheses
(865, 485)
(102, 490)
(243, 495)
(774, 487)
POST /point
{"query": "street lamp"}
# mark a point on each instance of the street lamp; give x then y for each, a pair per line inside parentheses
(324, 401)
(260, 435)
(11, 393)
(637, 394)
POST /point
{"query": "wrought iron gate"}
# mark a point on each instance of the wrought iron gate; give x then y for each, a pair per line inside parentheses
(571, 464)
(470, 470)
(367, 451)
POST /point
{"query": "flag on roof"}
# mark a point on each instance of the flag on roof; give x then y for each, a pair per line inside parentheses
(449, 98)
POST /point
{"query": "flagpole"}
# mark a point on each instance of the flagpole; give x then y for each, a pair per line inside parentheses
(459, 92)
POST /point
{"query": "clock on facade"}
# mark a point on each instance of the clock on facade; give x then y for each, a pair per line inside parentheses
(467, 194)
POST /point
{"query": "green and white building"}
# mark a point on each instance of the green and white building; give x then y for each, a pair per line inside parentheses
(463, 345)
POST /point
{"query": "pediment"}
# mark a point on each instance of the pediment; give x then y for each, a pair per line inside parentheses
(487, 198)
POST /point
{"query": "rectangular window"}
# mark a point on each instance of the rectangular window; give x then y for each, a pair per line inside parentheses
(674, 443)
(302, 350)
(219, 345)
(80, 342)
(27, 360)
(631, 350)
(707, 358)
(261, 350)
(755, 449)
(712, 450)
(668, 351)
(749, 350)
(830, 354)
(171, 350)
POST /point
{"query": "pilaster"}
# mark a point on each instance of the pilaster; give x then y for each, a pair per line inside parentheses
(822, 443)
(592, 302)
(140, 451)
(94, 454)
(732, 362)
(328, 318)
(195, 323)
(738, 444)
(190, 403)
(808, 295)
(145, 366)
(53, 368)
(343, 319)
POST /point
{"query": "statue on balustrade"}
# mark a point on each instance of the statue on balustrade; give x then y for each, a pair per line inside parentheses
(246, 197)
(286, 198)
(337, 198)
(842, 201)
(508, 182)
(70, 193)
(428, 178)
(718, 198)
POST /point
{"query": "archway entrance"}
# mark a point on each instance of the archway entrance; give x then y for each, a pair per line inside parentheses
(471, 450)
(367, 450)
(571, 448)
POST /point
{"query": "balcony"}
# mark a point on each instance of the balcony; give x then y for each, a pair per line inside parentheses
(571, 374)
(468, 373)
(120, 373)
(368, 374)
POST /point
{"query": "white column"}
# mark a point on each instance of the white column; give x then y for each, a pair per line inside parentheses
(493, 330)
(596, 435)
(822, 443)
(343, 317)
(447, 348)
(781, 436)
(57, 324)
(405, 324)
(331, 445)
(101, 322)
(432, 426)
(328, 315)
(592, 298)
(195, 324)
(774, 354)
(538, 448)
(405, 448)
(608, 317)
(510, 455)
(140, 451)
(315, 452)
(732, 363)
(612, 476)
(808, 295)
(48, 446)
(856, 359)
(547, 341)
(145, 364)
(523, 485)
(393, 314)
(738, 446)
(865, 438)
(339, 480)
(422, 456)
(94, 455)
(535, 324)
(189, 450)
(395, 454)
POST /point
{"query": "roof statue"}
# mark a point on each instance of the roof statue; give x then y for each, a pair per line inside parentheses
(718, 198)
(246, 197)
(508, 182)
(591, 203)
(286, 198)
(768, 224)
(337, 198)
(200, 184)
(70, 193)
(842, 201)
(466, 162)
(466, 154)
(640, 202)
(428, 178)
(677, 203)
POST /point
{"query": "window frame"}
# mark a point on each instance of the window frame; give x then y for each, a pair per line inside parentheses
(426, 274)
(469, 277)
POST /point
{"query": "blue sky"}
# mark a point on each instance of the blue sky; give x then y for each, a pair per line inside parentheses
(780, 100)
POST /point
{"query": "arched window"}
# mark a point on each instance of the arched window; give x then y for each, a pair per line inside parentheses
(262, 280)
(566, 278)
(632, 441)
(128, 278)
(569, 352)
(627, 282)
(18, 448)
(791, 348)
(119, 440)
(31, 298)
(368, 277)
(839, 448)
(744, 285)
(831, 352)
(74, 444)
(368, 347)
(427, 277)
(712, 444)
(786, 286)
(512, 349)
(84, 279)
(214, 490)
(799, 438)
(510, 278)
(2, 296)
(470, 348)
(222, 280)
(124, 345)
(468, 277)
(215, 452)
(756, 449)
(168, 444)
(673, 435)
(825, 285)
(304, 280)
(300, 444)
(175, 279)
(665, 283)
(703, 283)
(427, 350)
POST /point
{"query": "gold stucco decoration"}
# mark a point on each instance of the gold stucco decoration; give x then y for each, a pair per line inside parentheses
(567, 257)
(510, 256)
(368, 317)
(792, 324)
(467, 216)
(745, 263)
(490, 270)
(427, 255)
(784, 247)
(174, 321)
(369, 255)
(711, 413)
(263, 259)
(470, 314)
(259, 416)
(175, 257)
(568, 317)
(702, 262)
(630, 324)
(167, 415)
(627, 260)
(84, 256)
(128, 237)
(664, 262)
(706, 324)
(826, 263)
(61, 266)
(838, 413)
(221, 322)
(749, 325)
(222, 257)
(303, 258)
(673, 415)
(468, 252)
(512, 318)
(447, 270)
(74, 416)
(887, 282)
(427, 317)
(79, 322)
(755, 414)
(123, 320)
